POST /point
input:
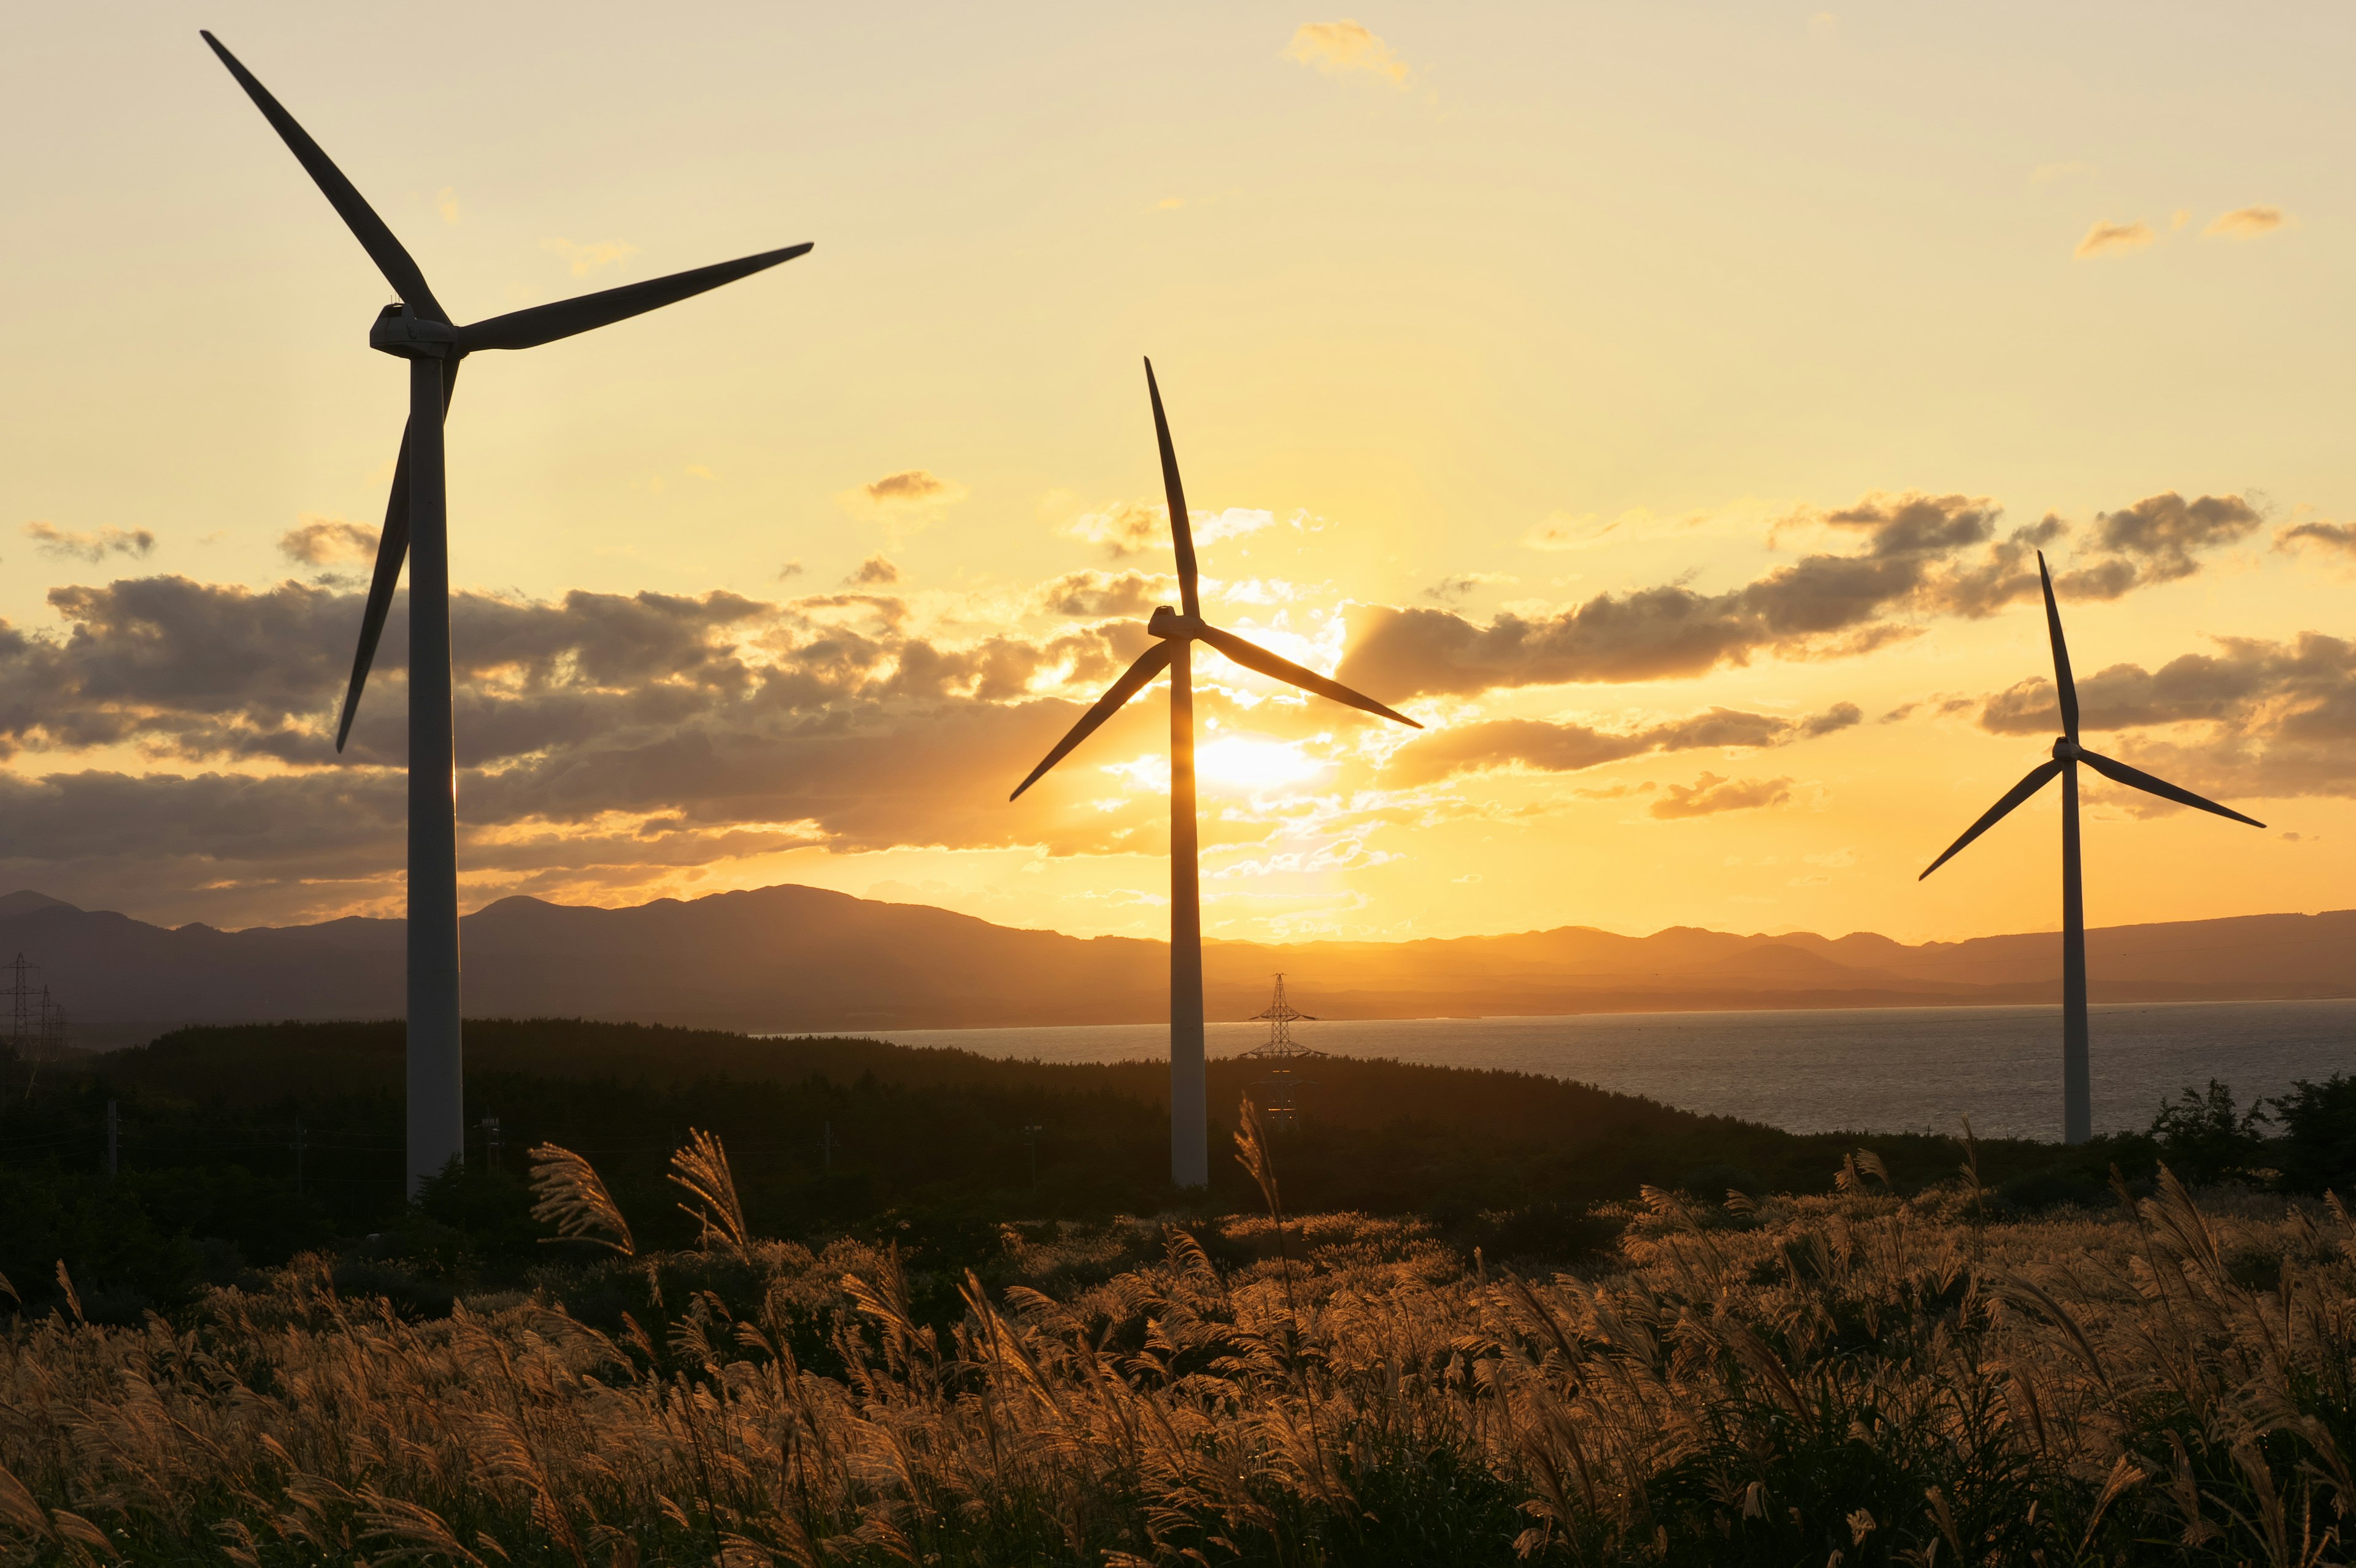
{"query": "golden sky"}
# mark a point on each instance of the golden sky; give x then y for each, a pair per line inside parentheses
(1660, 403)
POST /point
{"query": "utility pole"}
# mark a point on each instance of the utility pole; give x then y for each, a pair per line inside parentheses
(113, 1140)
(491, 1144)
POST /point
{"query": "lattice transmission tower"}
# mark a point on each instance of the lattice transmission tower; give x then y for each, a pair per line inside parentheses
(1278, 1106)
(26, 996)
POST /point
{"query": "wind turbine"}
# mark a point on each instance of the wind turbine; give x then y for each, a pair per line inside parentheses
(416, 524)
(2077, 1093)
(1190, 1156)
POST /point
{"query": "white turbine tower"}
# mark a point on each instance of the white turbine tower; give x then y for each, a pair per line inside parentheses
(416, 524)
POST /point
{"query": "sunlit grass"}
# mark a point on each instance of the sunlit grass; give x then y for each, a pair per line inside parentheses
(1851, 1378)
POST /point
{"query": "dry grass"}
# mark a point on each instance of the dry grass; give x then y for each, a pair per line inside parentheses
(1849, 1379)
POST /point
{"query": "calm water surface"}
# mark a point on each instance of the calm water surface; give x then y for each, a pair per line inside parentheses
(1877, 1070)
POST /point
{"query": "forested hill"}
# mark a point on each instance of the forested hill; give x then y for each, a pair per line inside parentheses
(794, 958)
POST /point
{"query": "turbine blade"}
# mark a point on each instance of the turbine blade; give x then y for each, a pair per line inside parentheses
(385, 252)
(1251, 655)
(2064, 683)
(563, 318)
(1152, 662)
(1181, 527)
(2039, 777)
(2119, 772)
(392, 549)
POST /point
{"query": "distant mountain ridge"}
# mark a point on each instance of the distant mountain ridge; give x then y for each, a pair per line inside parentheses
(792, 959)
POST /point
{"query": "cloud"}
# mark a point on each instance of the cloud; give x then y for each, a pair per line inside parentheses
(1543, 747)
(1344, 47)
(445, 201)
(913, 487)
(2280, 717)
(321, 540)
(1822, 605)
(605, 742)
(1453, 588)
(2112, 239)
(791, 568)
(1234, 522)
(2245, 223)
(1097, 594)
(1917, 557)
(96, 544)
(586, 258)
(2329, 536)
(2155, 542)
(1126, 528)
(1710, 794)
(874, 572)
(206, 671)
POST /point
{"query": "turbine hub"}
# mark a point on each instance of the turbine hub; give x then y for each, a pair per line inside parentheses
(1169, 625)
(2065, 750)
(399, 331)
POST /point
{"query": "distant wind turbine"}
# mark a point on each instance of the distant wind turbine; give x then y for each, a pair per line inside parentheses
(1189, 1154)
(416, 524)
(2077, 1093)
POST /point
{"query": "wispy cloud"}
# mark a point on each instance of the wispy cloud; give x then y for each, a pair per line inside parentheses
(2105, 239)
(2330, 536)
(586, 258)
(1711, 795)
(1537, 746)
(2245, 223)
(445, 201)
(1449, 589)
(320, 541)
(96, 544)
(874, 572)
(912, 488)
(906, 503)
(1125, 528)
(1346, 47)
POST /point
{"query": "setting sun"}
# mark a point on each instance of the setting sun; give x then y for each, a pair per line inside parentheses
(1254, 762)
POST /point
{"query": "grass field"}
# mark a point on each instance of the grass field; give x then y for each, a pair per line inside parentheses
(1855, 1377)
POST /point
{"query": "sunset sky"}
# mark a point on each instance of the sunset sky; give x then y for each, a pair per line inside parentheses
(1661, 402)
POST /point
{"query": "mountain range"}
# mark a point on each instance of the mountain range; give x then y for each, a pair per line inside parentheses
(792, 959)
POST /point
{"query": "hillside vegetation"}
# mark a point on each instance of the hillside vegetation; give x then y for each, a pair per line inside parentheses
(241, 1147)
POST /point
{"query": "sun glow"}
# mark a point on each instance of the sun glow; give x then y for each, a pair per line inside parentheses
(1254, 763)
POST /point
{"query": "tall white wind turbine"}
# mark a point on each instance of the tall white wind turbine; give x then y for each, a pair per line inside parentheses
(1190, 1154)
(416, 523)
(2077, 1085)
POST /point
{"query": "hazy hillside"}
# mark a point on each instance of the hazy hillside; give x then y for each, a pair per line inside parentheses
(803, 958)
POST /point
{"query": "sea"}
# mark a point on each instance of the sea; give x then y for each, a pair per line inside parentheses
(1857, 1070)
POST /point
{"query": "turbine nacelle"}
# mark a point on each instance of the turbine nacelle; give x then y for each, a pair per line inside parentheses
(401, 332)
(1174, 626)
(2065, 750)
